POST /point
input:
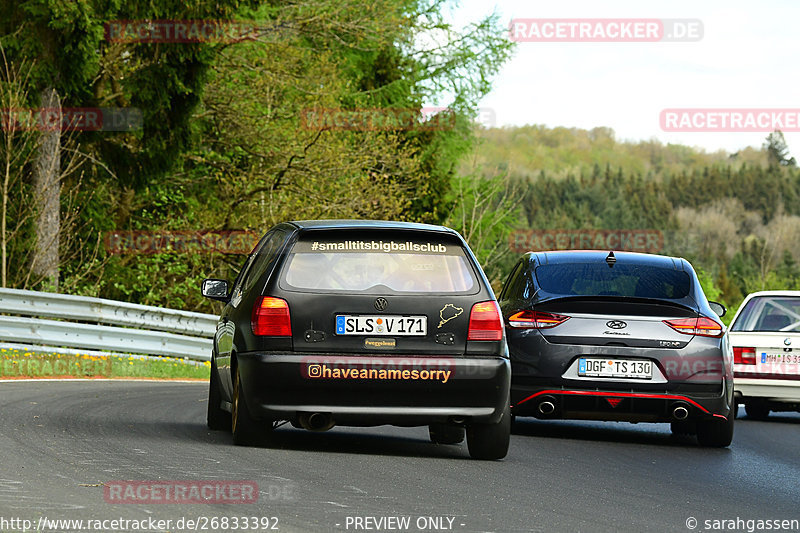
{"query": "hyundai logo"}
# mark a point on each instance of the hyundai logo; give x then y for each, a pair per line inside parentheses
(381, 304)
(616, 324)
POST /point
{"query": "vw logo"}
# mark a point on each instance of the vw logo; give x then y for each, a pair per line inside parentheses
(787, 341)
(381, 304)
(616, 324)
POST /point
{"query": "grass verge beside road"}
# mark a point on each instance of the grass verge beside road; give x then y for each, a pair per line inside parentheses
(16, 364)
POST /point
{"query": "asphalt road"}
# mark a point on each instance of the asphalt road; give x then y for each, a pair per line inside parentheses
(62, 440)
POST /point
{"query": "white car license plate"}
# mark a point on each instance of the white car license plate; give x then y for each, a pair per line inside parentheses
(615, 368)
(774, 357)
(381, 325)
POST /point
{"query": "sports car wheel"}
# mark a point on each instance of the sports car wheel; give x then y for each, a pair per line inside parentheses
(217, 418)
(490, 441)
(246, 431)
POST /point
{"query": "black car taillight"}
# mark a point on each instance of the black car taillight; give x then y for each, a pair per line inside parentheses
(271, 317)
(536, 319)
(744, 356)
(485, 323)
(702, 326)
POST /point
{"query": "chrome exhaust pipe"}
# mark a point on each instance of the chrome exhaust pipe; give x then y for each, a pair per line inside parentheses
(547, 407)
(316, 421)
(679, 412)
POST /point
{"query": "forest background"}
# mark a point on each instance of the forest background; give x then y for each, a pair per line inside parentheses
(303, 110)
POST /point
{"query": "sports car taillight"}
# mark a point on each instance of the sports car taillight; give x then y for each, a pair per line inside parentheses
(271, 318)
(536, 319)
(703, 326)
(485, 323)
(744, 356)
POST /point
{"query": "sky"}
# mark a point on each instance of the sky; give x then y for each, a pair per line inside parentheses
(747, 58)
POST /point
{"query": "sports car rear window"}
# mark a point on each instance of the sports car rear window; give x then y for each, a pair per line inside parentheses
(769, 313)
(597, 279)
(379, 265)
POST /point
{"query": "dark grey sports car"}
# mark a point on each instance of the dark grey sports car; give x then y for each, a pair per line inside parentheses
(361, 323)
(618, 336)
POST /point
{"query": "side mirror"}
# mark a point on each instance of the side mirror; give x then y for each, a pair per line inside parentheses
(216, 289)
(718, 308)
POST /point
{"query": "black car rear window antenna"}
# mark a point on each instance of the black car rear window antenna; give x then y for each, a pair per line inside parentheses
(610, 259)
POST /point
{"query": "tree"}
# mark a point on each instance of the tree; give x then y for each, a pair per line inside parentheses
(47, 195)
(75, 67)
(17, 145)
(259, 156)
(778, 150)
(338, 56)
(485, 211)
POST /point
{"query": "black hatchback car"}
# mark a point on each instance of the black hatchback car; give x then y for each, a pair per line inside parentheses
(361, 323)
(618, 336)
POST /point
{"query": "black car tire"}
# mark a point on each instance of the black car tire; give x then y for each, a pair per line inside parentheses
(246, 431)
(683, 427)
(490, 441)
(756, 409)
(716, 432)
(217, 418)
(446, 434)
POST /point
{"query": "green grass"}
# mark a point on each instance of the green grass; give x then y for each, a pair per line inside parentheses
(165, 367)
(21, 363)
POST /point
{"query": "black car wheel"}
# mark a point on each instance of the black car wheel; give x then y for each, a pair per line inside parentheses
(246, 431)
(490, 441)
(217, 418)
(446, 434)
(756, 409)
(716, 432)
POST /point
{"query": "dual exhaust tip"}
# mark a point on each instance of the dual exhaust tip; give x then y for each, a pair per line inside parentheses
(547, 406)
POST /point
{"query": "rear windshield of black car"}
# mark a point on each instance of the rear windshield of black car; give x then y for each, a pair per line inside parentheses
(597, 279)
(380, 264)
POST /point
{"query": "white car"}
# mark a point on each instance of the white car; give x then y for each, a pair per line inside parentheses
(765, 335)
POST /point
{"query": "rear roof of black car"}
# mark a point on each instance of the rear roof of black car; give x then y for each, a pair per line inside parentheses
(596, 256)
(369, 224)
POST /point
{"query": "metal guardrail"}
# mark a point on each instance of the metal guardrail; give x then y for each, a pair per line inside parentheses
(145, 329)
(84, 308)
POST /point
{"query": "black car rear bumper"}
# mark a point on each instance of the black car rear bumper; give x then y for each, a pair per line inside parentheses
(697, 377)
(614, 403)
(281, 386)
